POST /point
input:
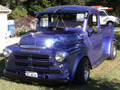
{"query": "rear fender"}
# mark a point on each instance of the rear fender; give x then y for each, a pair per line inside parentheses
(107, 40)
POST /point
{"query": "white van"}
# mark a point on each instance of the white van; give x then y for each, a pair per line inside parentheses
(105, 18)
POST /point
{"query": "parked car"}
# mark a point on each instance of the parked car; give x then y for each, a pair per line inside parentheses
(69, 41)
(105, 18)
(108, 20)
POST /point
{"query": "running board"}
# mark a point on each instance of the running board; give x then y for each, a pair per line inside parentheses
(98, 62)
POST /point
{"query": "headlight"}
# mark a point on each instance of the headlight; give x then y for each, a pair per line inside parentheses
(60, 56)
(7, 52)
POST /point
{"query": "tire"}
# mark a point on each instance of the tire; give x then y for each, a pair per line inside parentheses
(82, 72)
(113, 52)
(110, 23)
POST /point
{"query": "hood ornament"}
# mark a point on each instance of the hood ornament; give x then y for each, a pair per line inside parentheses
(33, 34)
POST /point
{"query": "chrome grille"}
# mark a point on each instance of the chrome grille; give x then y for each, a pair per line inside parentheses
(35, 62)
(32, 47)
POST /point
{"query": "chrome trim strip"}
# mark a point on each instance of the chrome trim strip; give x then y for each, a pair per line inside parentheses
(32, 46)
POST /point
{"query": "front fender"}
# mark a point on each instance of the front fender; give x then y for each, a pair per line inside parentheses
(77, 60)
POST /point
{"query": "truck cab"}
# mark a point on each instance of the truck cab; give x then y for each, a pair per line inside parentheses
(69, 41)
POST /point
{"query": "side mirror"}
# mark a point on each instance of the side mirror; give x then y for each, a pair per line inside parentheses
(90, 32)
(95, 29)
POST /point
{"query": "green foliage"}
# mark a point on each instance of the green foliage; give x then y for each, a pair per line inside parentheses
(13, 4)
(76, 2)
(37, 5)
(20, 33)
(19, 12)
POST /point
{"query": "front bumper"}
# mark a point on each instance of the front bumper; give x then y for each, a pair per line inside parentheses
(20, 77)
(116, 23)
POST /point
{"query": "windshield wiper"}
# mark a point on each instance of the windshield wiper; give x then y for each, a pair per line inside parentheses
(55, 25)
(64, 24)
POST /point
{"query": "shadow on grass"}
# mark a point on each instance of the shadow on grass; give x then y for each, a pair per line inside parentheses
(101, 84)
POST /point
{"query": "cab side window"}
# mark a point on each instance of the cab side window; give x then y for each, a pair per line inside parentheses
(92, 21)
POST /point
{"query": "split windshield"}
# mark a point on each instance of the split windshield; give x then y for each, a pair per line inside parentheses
(70, 20)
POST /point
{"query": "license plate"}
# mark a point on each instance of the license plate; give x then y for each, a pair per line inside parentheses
(31, 74)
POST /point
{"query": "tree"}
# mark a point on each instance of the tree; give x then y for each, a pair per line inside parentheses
(36, 5)
(19, 12)
(76, 2)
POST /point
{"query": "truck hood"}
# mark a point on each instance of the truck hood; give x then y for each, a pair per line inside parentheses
(52, 39)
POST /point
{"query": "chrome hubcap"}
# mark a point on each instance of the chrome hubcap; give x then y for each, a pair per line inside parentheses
(114, 51)
(86, 71)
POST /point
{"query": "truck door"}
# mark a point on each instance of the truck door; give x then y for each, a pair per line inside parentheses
(94, 39)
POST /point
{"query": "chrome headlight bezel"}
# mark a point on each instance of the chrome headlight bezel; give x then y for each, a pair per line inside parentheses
(7, 52)
(60, 56)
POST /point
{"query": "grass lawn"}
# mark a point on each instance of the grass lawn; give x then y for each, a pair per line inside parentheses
(104, 77)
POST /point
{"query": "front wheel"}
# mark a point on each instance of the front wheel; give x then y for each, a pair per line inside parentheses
(110, 23)
(113, 52)
(83, 72)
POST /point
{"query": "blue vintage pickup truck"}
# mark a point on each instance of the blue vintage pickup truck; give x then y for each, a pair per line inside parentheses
(67, 44)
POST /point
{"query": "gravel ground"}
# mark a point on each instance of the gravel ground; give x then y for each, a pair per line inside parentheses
(10, 41)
